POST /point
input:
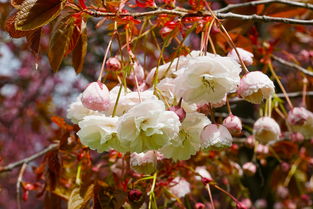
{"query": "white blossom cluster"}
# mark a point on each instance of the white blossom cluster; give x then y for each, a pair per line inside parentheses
(165, 119)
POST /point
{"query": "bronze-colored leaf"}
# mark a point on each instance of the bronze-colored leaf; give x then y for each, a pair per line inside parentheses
(79, 52)
(37, 13)
(10, 27)
(16, 3)
(59, 41)
(33, 41)
(80, 197)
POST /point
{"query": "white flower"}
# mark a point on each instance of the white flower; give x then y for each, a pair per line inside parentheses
(215, 136)
(266, 129)
(147, 126)
(207, 79)
(98, 132)
(180, 187)
(246, 56)
(127, 100)
(187, 142)
(96, 97)
(256, 86)
(301, 120)
(77, 111)
(167, 69)
(144, 162)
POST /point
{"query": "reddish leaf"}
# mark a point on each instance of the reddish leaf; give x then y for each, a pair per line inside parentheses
(33, 41)
(61, 123)
(79, 52)
(37, 13)
(10, 28)
(16, 3)
(54, 168)
(59, 41)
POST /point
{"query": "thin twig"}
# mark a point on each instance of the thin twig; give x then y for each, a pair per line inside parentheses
(18, 185)
(229, 15)
(11, 166)
(292, 65)
(263, 18)
(254, 3)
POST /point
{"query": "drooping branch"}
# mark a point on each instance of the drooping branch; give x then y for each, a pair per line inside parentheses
(255, 3)
(11, 166)
(184, 13)
(292, 65)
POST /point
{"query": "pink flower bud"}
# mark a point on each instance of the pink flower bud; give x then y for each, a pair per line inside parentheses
(246, 202)
(180, 112)
(250, 141)
(255, 86)
(266, 129)
(296, 137)
(249, 168)
(262, 149)
(301, 120)
(134, 195)
(113, 64)
(215, 136)
(96, 97)
(199, 205)
(260, 204)
(143, 162)
(137, 73)
(247, 57)
(233, 124)
(285, 166)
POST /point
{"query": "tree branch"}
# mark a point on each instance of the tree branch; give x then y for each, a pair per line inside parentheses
(292, 65)
(263, 18)
(11, 166)
(255, 3)
(183, 13)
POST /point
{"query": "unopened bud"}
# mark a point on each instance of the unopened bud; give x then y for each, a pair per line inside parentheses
(113, 64)
(249, 168)
(134, 195)
(180, 112)
(233, 124)
(96, 97)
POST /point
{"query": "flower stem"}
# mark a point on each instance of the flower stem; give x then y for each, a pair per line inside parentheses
(105, 57)
(280, 84)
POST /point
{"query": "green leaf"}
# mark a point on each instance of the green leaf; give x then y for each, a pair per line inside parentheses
(80, 197)
(80, 50)
(59, 41)
(37, 13)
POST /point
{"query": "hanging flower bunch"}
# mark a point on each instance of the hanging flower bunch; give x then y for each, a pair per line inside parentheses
(165, 117)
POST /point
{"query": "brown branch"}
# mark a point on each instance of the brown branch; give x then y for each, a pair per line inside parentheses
(263, 18)
(11, 166)
(255, 3)
(184, 13)
(18, 185)
(292, 65)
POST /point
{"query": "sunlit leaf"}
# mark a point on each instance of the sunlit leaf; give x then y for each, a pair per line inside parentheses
(59, 41)
(36, 13)
(10, 27)
(80, 197)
